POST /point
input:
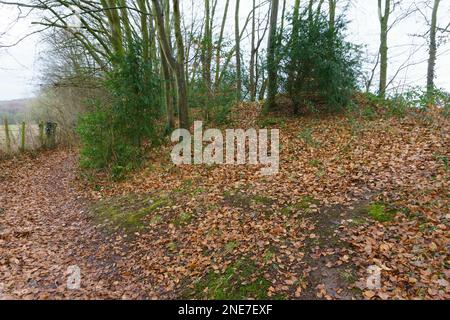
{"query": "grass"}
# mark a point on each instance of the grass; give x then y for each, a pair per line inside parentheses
(263, 200)
(127, 213)
(240, 281)
(302, 205)
(380, 213)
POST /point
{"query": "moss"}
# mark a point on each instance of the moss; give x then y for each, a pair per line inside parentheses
(240, 281)
(127, 212)
(302, 205)
(348, 276)
(263, 200)
(380, 213)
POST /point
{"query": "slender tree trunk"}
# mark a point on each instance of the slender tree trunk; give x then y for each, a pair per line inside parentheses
(271, 65)
(144, 30)
(238, 53)
(177, 65)
(207, 47)
(219, 45)
(294, 42)
(114, 24)
(126, 21)
(252, 79)
(384, 19)
(168, 91)
(181, 77)
(432, 50)
(332, 11)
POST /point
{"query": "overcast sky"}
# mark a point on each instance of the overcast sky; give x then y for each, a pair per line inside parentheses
(19, 65)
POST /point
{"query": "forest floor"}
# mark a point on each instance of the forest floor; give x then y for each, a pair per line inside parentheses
(352, 194)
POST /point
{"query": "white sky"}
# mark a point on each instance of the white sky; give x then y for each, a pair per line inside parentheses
(19, 67)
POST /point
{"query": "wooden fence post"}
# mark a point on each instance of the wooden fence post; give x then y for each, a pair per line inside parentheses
(41, 135)
(7, 136)
(22, 137)
(50, 132)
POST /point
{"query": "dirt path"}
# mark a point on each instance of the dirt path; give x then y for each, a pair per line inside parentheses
(44, 230)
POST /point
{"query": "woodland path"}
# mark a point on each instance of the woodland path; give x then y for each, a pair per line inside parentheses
(45, 229)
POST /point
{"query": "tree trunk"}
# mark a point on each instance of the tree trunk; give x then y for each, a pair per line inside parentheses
(332, 13)
(271, 66)
(294, 43)
(144, 30)
(384, 19)
(177, 65)
(253, 56)
(432, 50)
(238, 54)
(181, 77)
(207, 48)
(219, 45)
(114, 24)
(168, 91)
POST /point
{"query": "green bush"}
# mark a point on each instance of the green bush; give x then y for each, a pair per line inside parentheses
(320, 68)
(113, 135)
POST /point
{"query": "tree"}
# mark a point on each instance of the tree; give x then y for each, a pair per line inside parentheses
(332, 12)
(432, 50)
(271, 65)
(384, 19)
(238, 53)
(219, 44)
(177, 65)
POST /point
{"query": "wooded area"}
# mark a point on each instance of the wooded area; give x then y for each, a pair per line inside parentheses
(363, 165)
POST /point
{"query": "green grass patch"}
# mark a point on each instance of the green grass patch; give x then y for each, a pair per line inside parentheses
(302, 205)
(263, 200)
(379, 212)
(240, 281)
(127, 212)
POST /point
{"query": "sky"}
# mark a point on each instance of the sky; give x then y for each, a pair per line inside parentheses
(19, 65)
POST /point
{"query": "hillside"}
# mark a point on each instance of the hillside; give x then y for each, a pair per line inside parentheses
(14, 109)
